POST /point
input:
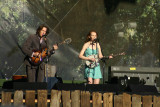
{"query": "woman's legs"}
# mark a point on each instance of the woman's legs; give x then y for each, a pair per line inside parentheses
(96, 81)
(90, 80)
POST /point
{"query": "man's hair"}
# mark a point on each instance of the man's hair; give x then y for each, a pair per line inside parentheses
(40, 28)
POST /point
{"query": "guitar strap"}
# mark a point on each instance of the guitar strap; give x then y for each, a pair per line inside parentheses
(92, 46)
(40, 46)
(96, 50)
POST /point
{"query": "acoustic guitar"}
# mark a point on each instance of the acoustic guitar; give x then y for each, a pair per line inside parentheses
(36, 60)
(92, 64)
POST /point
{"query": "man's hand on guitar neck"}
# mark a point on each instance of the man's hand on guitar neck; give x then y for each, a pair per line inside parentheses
(108, 57)
(111, 56)
(55, 47)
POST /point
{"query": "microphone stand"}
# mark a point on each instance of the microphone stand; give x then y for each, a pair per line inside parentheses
(103, 69)
(104, 63)
(47, 67)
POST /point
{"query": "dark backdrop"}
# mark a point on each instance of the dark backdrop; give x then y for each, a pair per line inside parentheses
(130, 26)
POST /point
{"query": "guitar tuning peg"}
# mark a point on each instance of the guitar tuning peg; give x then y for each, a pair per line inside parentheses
(57, 43)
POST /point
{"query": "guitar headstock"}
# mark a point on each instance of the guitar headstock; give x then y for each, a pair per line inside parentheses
(67, 41)
(123, 53)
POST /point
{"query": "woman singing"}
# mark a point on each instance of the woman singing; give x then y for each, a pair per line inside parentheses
(92, 48)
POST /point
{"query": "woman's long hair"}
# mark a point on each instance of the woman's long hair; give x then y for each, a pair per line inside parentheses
(89, 34)
(40, 28)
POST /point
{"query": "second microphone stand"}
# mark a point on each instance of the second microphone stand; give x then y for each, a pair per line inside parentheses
(104, 64)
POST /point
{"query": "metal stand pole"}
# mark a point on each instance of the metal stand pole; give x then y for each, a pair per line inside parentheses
(104, 63)
(47, 69)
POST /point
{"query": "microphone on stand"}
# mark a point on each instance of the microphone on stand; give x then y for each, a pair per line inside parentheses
(44, 36)
(96, 40)
(104, 58)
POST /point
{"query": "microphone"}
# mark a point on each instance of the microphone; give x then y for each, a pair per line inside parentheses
(96, 40)
(44, 36)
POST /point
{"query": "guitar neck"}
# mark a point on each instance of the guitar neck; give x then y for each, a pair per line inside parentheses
(60, 43)
(118, 54)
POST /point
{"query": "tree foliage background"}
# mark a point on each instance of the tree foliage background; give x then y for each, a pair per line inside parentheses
(130, 26)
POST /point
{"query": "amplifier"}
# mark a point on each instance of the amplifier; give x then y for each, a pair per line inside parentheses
(147, 75)
(17, 77)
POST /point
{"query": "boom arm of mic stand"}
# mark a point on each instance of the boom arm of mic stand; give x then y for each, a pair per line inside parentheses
(104, 63)
(104, 59)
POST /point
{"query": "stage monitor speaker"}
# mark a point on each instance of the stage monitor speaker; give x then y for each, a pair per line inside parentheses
(103, 87)
(115, 88)
(88, 87)
(29, 85)
(24, 85)
(67, 86)
(9, 84)
(143, 89)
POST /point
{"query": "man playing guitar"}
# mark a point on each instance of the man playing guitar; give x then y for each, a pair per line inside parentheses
(31, 47)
